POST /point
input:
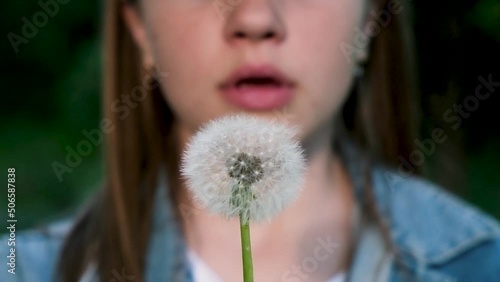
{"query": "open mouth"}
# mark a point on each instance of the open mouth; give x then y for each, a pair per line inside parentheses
(258, 88)
(258, 82)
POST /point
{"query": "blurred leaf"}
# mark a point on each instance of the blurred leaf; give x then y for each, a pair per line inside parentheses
(486, 16)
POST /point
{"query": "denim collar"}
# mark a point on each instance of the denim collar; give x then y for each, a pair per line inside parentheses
(167, 257)
(426, 223)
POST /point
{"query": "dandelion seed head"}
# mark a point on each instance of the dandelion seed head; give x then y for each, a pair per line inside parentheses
(244, 164)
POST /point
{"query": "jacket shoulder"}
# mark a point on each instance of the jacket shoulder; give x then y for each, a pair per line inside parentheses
(432, 224)
(35, 252)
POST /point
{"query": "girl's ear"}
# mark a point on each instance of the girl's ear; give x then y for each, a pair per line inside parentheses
(137, 29)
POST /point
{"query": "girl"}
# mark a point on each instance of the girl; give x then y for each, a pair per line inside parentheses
(341, 70)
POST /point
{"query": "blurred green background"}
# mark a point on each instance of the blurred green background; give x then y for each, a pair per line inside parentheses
(51, 93)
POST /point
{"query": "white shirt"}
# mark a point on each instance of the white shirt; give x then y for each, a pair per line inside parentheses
(203, 273)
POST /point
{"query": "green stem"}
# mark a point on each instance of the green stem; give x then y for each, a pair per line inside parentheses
(246, 250)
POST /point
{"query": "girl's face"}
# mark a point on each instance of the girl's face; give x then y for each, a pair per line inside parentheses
(200, 43)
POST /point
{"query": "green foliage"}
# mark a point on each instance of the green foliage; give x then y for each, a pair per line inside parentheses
(51, 93)
(486, 15)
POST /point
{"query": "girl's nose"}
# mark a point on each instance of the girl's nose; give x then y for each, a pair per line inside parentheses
(253, 21)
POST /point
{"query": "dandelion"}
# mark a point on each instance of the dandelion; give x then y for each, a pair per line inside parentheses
(244, 166)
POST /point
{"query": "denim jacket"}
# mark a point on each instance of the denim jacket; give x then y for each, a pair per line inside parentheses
(438, 237)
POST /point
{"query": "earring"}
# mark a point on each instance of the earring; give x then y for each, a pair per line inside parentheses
(149, 70)
(358, 71)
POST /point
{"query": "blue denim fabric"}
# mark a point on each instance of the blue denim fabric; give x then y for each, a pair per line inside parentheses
(438, 237)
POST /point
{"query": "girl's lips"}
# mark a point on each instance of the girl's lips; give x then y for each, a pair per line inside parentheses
(258, 97)
(260, 88)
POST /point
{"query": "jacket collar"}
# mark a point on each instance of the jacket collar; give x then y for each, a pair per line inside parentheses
(428, 222)
(166, 259)
(428, 226)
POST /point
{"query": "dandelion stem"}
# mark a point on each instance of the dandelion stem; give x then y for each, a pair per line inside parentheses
(246, 249)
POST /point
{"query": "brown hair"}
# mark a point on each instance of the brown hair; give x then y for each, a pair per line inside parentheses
(114, 229)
